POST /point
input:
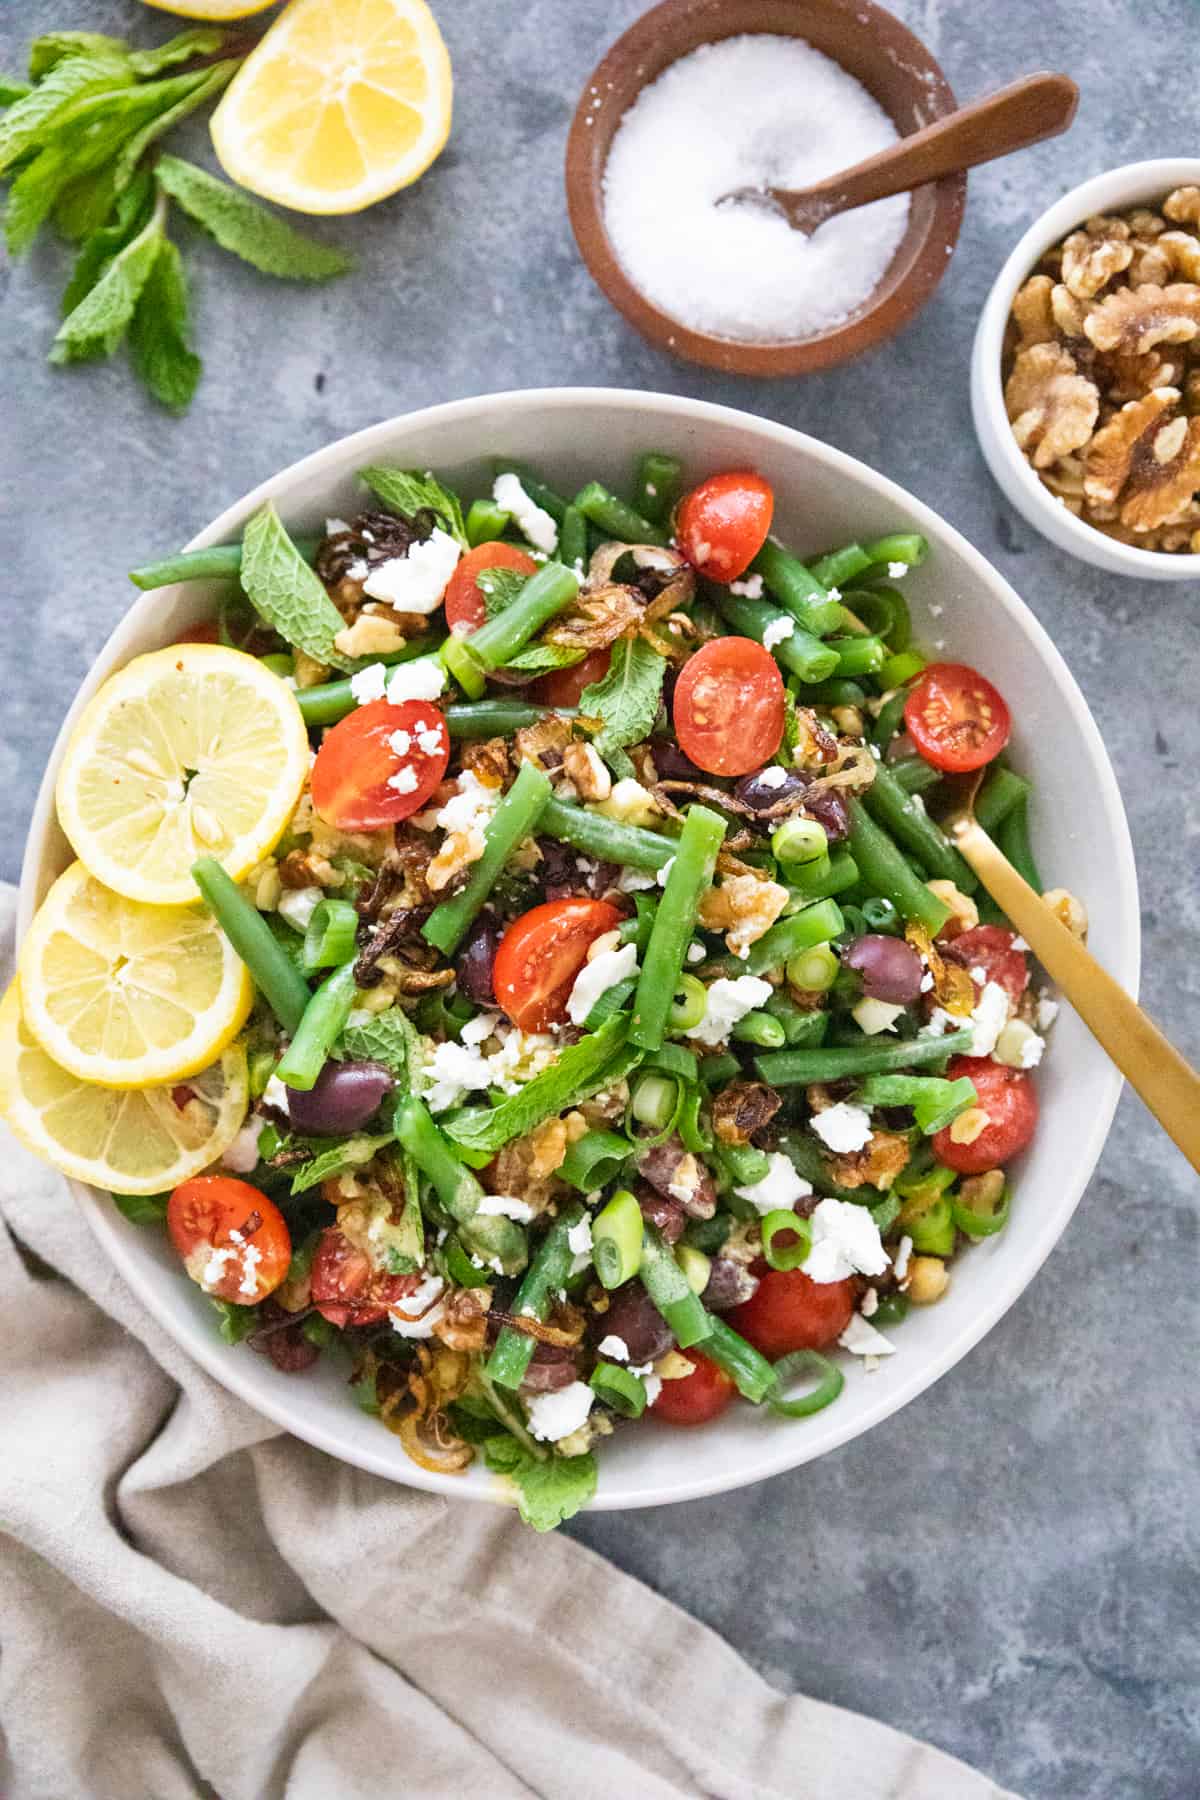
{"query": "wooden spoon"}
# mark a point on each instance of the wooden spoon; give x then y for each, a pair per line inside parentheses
(1152, 1066)
(1037, 107)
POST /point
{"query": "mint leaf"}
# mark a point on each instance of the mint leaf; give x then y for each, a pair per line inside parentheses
(158, 336)
(142, 1209)
(546, 656)
(548, 1492)
(56, 46)
(627, 699)
(389, 1038)
(237, 1322)
(351, 1153)
(246, 228)
(499, 588)
(286, 592)
(30, 119)
(199, 40)
(408, 490)
(581, 1070)
(101, 246)
(96, 326)
(11, 89)
(177, 96)
(474, 1421)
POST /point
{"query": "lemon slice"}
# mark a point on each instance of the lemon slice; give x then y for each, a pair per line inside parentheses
(338, 105)
(136, 1142)
(188, 752)
(125, 994)
(211, 9)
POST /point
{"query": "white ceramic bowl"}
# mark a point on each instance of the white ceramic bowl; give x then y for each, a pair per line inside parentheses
(1082, 839)
(1133, 185)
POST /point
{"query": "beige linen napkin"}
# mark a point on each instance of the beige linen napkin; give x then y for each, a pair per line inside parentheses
(192, 1602)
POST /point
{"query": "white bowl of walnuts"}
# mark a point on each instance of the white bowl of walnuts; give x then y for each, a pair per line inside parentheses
(1085, 377)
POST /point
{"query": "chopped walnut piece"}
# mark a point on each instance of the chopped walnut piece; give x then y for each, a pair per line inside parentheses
(1127, 375)
(1032, 311)
(1182, 251)
(459, 850)
(1111, 453)
(544, 743)
(1091, 258)
(1163, 485)
(1145, 224)
(1183, 205)
(1139, 318)
(487, 761)
(743, 907)
(587, 771)
(1053, 409)
(877, 1165)
(1066, 312)
(370, 635)
(1151, 266)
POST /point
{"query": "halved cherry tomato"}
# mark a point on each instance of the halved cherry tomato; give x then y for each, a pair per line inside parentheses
(380, 764)
(563, 687)
(347, 1289)
(1008, 1098)
(233, 1240)
(540, 955)
(990, 948)
(729, 706)
(697, 1397)
(790, 1312)
(722, 525)
(464, 603)
(956, 718)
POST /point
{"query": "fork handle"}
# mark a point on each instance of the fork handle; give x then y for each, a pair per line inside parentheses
(1169, 1086)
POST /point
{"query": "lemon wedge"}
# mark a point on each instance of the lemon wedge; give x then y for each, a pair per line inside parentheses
(211, 9)
(187, 752)
(139, 1142)
(125, 994)
(338, 105)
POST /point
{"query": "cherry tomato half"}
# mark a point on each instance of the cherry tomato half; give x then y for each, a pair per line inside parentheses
(233, 1240)
(564, 687)
(1009, 1098)
(792, 1312)
(990, 949)
(722, 525)
(956, 718)
(697, 1397)
(540, 955)
(347, 1289)
(463, 600)
(729, 706)
(380, 764)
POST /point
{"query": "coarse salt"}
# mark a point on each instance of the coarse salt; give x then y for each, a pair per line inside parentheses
(789, 116)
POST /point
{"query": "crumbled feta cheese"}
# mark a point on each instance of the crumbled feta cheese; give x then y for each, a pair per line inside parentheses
(939, 1023)
(1019, 943)
(404, 780)
(596, 977)
(900, 1260)
(773, 776)
(334, 526)
(653, 1386)
(480, 1028)
(579, 1238)
(751, 589)
(614, 1347)
(400, 743)
(429, 740)
(424, 1327)
(897, 571)
(557, 1415)
(452, 1071)
(696, 953)
(505, 1206)
(728, 1001)
(251, 1257)
(416, 582)
(631, 803)
(778, 1189)
(369, 684)
(927, 983)
(874, 1016)
(978, 974)
(635, 881)
(471, 807)
(843, 1128)
(297, 906)
(422, 679)
(1019, 1046)
(242, 1155)
(665, 871)
(989, 1019)
(1047, 1012)
(521, 1056)
(777, 632)
(845, 1241)
(533, 521)
(862, 1339)
(275, 1094)
(870, 1303)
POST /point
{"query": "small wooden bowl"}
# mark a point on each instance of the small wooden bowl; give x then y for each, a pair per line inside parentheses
(874, 47)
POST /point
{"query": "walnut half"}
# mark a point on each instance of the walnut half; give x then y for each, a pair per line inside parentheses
(1052, 407)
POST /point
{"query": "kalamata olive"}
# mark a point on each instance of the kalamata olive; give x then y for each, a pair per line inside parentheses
(829, 809)
(673, 765)
(890, 968)
(633, 1317)
(662, 1210)
(729, 1283)
(762, 794)
(552, 1366)
(344, 1097)
(476, 960)
(900, 747)
(669, 1167)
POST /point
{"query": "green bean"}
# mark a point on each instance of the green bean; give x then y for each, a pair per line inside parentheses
(907, 547)
(858, 655)
(275, 975)
(800, 652)
(838, 567)
(885, 871)
(745, 1164)
(761, 1029)
(221, 561)
(607, 839)
(612, 516)
(815, 924)
(720, 1067)
(890, 719)
(330, 701)
(486, 522)
(689, 1002)
(835, 692)
(323, 1023)
(546, 1274)
(797, 589)
(1013, 839)
(669, 1289)
(573, 540)
(808, 1159)
(514, 819)
(501, 638)
(690, 875)
(915, 775)
(905, 817)
(800, 1025)
(535, 487)
(881, 915)
(489, 1235)
(999, 794)
(821, 879)
(799, 1068)
(751, 1372)
(658, 481)
(497, 718)
(934, 1101)
(900, 669)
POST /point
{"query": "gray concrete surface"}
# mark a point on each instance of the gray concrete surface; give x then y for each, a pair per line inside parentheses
(1009, 1566)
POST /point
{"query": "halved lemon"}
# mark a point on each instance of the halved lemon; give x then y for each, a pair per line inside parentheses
(136, 1142)
(211, 9)
(187, 752)
(125, 994)
(338, 105)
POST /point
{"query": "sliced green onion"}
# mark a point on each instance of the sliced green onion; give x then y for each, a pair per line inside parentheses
(462, 666)
(617, 1233)
(331, 936)
(761, 1029)
(460, 1268)
(655, 1102)
(892, 1309)
(696, 1266)
(594, 1160)
(619, 1388)
(786, 1255)
(805, 1365)
(895, 671)
(689, 1003)
(694, 1132)
(485, 522)
(882, 916)
(813, 971)
(921, 1182)
(983, 1220)
(800, 841)
(673, 1059)
(933, 1233)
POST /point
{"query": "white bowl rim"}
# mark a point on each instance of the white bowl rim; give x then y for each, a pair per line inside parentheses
(1149, 178)
(239, 1374)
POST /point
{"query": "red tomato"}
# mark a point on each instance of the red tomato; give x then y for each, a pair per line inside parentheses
(729, 706)
(791, 1312)
(346, 1287)
(990, 948)
(957, 719)
(1008, 1098)
(233, 1240)
(563, 687)
(206, 632)
(464, 603)
(722, 525)
(540, 955)
(366, 774)
(696, 1398)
